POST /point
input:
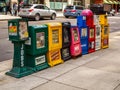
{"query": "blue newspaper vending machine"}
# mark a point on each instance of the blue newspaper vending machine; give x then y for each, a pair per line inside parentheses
(83, 30)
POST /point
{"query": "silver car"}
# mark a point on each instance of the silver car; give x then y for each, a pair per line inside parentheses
(37, 11)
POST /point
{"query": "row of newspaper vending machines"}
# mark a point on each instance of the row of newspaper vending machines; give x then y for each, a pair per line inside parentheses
(37, 47)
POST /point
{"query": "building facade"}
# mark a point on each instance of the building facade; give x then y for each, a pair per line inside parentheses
(60, 4)
(57, 5)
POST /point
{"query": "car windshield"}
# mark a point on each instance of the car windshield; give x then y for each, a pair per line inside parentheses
(69, 7)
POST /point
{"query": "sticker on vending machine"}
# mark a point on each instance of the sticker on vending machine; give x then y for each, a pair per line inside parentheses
(40, 60)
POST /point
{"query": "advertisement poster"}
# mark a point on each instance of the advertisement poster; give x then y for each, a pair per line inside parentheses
(84, 32)
(75, 35)
(91, 33)
(66, 38)
(55, 55)
(40, 60)
(23, 32)
(105, 41)
(91, 45)
(40, 40)
(65, 52)
(55, 36)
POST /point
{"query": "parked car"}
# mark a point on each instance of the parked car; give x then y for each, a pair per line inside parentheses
(37, 11)
(72, 11)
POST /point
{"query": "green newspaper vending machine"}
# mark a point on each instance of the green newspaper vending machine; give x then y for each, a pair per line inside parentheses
(37, 47)
(18, 34)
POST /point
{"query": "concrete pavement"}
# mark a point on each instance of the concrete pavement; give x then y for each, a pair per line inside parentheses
(96, 71)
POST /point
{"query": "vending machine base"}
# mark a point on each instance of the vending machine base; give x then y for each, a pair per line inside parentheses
(54, 57)
(37, 62)
(19, 72)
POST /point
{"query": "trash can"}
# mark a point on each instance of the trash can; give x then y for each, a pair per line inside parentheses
(54, 43)
(65, 51)
(18, 34)
(37, 47)
(75, 47)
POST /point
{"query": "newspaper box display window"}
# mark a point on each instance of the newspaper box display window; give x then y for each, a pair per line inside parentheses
(91, 40)
(98, 37)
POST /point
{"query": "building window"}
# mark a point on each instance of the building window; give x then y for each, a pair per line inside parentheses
(58, 4)
(78, 2)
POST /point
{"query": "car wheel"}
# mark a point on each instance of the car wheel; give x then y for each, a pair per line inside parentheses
(67, 16)
(37, 17)
(53, 16)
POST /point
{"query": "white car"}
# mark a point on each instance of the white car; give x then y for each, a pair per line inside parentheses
(37, 11)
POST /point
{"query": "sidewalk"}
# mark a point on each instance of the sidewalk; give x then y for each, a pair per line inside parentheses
(96, 71)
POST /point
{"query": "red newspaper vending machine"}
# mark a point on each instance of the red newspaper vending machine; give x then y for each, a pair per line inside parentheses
(75, 46)
(91, 39)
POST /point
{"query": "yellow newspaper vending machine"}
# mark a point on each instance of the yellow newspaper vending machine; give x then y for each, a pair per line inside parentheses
(54, 43)
(105, 36)
(104, 31)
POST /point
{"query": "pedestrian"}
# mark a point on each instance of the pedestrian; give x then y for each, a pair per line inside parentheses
(8, 8)
(15, 9)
